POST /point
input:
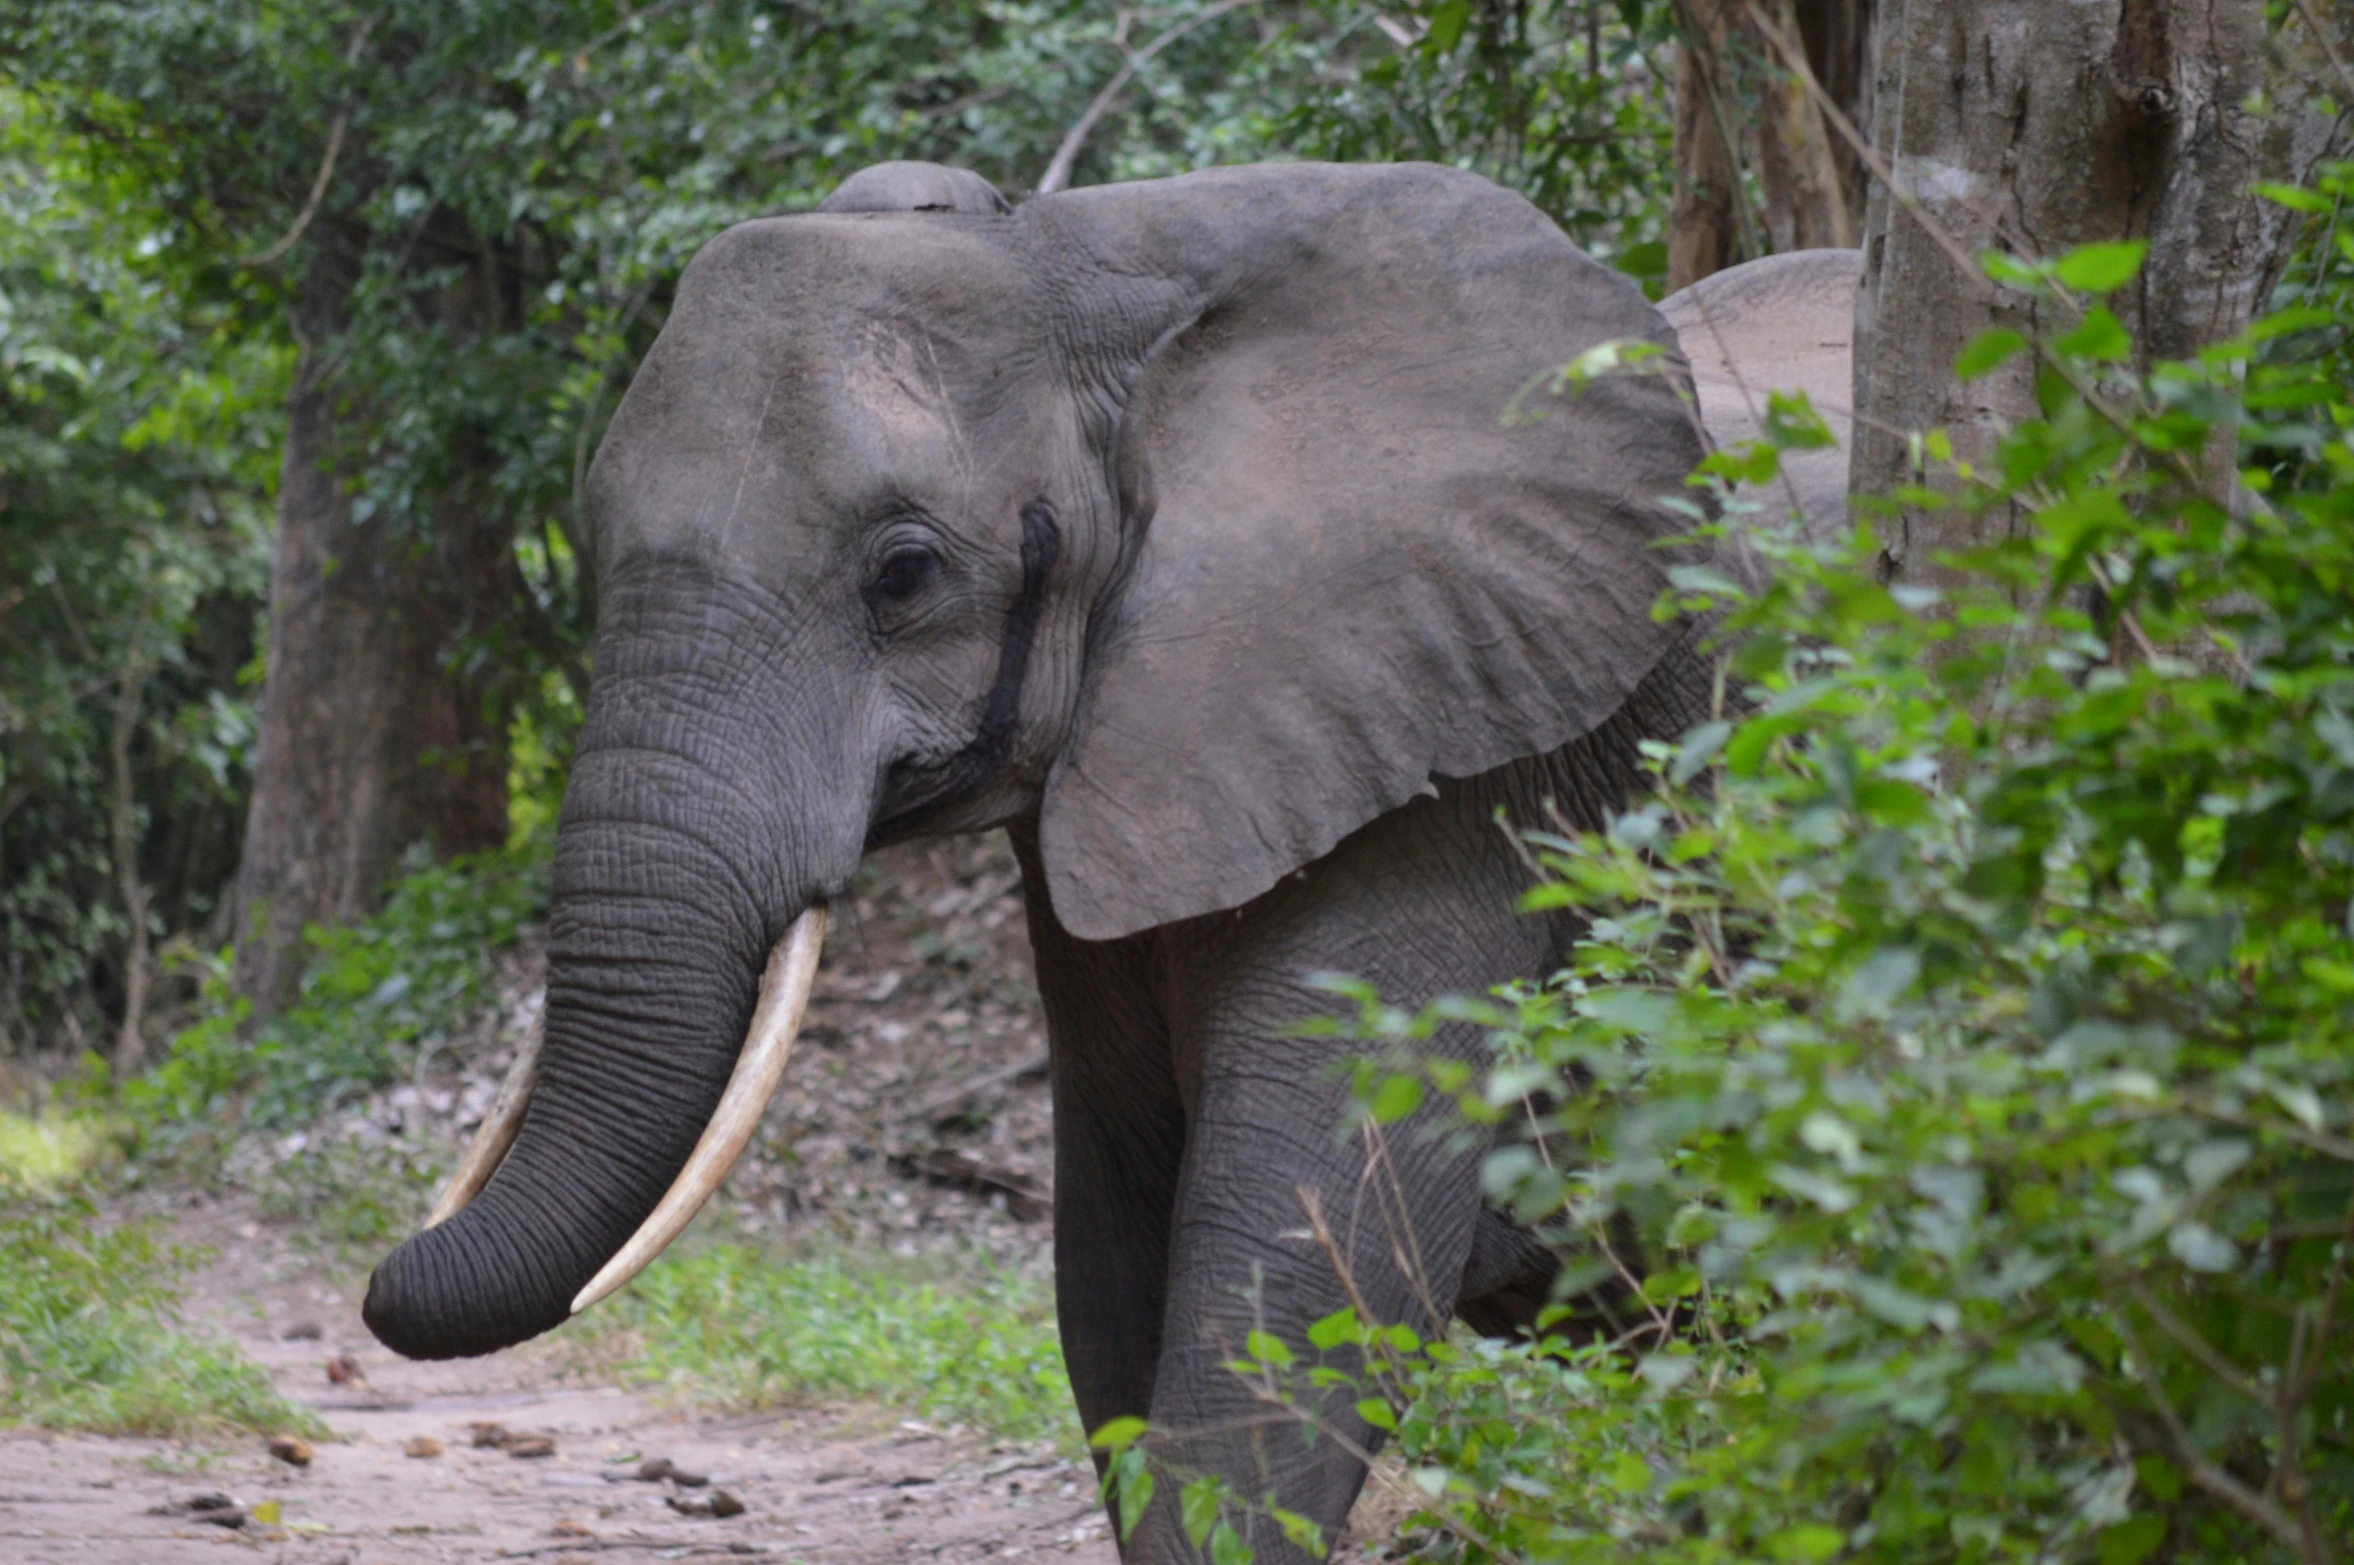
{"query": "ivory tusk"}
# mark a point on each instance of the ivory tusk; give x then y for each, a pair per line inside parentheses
(496, 1134)
(784, 998)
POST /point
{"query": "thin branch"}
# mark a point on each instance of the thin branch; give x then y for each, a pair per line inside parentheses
(2197, 1346)
(1794, 61)
(310, 208)
(2202, 1472)
(2331, 1299)
(1058, 172)
(130, 1049)
(2328, 51)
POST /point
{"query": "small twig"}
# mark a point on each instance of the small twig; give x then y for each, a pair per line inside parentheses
(1058, 171)
(933, 1103)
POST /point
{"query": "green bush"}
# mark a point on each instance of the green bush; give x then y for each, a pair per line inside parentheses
(89, 1338)
(375, 995)
(954, 1338)
(1962, 1034)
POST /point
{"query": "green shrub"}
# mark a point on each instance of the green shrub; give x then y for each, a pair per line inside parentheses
(947, 1337)
(89, 1338)
(374, 996)
(1965, 1031)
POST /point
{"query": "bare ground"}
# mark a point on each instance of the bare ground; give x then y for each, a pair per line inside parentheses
(915, 1115)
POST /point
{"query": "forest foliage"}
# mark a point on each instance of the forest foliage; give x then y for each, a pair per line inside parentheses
(161, 162)
(1946, 1125)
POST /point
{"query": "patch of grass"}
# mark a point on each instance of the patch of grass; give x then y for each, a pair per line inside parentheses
(953, 1338)
(90, 1336)
(351, 1201)
(44, 1151)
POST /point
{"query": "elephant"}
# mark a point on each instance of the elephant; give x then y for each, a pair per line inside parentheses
(1174, 528)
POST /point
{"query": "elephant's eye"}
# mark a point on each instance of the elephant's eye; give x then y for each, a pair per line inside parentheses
(904, 573)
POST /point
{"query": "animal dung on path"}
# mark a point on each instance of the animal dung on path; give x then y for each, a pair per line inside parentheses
(291, 1449)
(424, 1447)
(344, 1370)
(718, 1504)
(213, 1509)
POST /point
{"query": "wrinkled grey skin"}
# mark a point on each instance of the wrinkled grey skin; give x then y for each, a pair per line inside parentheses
(1783, 323)
(1172, 527)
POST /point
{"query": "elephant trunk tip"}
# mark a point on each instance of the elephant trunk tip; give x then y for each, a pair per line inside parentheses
(446, 1293)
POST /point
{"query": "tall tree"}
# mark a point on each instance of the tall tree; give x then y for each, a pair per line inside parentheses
(2028, 129)
(1761, 88)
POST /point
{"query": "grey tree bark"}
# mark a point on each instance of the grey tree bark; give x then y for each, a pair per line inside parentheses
(2030, 128)
(373, 737)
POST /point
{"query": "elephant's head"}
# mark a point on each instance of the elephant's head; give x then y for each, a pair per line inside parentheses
(1182, 517)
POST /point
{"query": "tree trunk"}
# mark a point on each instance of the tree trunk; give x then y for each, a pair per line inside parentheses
(130, 1048)
(1705, 222)
(1737, 102)
(2030, 128)
(373, 737)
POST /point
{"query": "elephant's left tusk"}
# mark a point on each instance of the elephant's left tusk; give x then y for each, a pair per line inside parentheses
(784, 998)
(490, 1143)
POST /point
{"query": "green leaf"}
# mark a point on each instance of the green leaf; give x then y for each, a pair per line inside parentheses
(1136, 1486)
(2101, 268)
(1395, 1098)
(1267, 1348)
(1333, 1330)
(1377, 1412)
(1700, 747)
(1119, 1434)
(1227, 1547)
(1198, 1505)
(1447, 21)
(1806, 1544)
(2294, 197)
(2100, 338)
(1648, 259)
(1628, 1474)
(1988, 352)
(2130, 1541)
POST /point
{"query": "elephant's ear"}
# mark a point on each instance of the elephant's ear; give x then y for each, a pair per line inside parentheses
(1351, 572)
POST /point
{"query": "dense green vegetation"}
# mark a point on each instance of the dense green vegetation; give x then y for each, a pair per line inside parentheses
(1963, 1054)
(90, 1336)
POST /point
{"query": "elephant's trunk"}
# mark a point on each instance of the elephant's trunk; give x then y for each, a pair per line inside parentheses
(657, 1066)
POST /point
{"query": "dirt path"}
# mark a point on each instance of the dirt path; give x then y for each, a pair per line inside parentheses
(823, 1488)
(916, 1115)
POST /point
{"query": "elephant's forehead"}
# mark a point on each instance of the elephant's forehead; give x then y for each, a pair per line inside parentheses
(807, 376)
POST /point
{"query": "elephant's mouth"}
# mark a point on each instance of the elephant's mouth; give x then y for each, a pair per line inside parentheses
(785, 986)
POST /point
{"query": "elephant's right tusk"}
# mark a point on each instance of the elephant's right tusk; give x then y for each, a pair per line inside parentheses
(490, 1143)
(784, 998)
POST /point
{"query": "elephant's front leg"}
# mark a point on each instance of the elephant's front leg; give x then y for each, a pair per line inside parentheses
(1420, 903)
